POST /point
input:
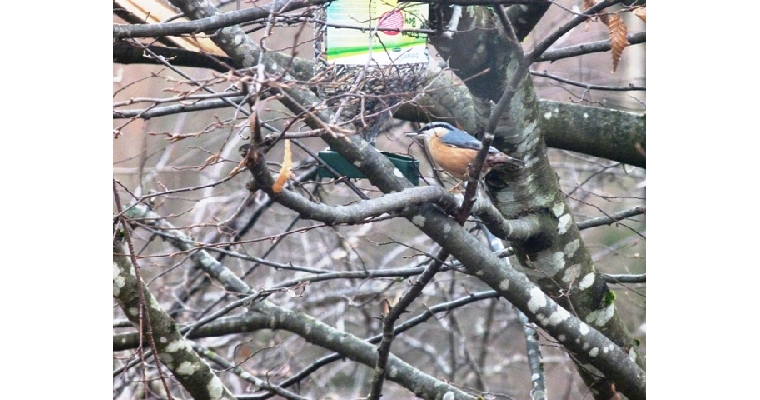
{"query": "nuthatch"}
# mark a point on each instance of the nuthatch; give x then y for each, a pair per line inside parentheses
(454, 149)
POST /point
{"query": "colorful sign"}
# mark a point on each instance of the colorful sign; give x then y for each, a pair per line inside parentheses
(344, 44)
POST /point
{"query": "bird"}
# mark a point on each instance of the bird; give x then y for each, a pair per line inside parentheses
(454, 149)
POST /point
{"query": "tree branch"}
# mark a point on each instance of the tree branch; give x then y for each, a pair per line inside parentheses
(600, 132)
(612, 218)
(221, 20)
(174, 351)
(389, 321)
(245, 375)
(588, 86)
(588, 48)
(140, 212)
(557, 257)
(542, 46)
(431, 387)
(590, 345)
(514, 286)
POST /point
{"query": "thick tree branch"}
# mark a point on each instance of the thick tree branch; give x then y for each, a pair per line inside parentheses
(249, 322)
(524, 17)
(430, 388)
(174, 351)
(589, 347)
(406, 203)
(349, 346)
(245, 375)
(566, 126)
(127, 53)
(402, 202)
(600, 132)
(515, 286)
(620, 278)
(522, 228)
(214, 22)
(557, 259)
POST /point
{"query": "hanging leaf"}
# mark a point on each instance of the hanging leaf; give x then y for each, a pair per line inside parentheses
(287, 164)
(385, 307)
(618, 38)
(641, 12)
(618, 31)
(586, 5)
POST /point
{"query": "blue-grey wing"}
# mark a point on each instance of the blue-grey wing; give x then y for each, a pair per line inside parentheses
(465, 140)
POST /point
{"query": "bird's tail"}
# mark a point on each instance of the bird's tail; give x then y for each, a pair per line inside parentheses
(502, 159)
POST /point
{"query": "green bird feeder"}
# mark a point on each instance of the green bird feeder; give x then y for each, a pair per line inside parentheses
(378, 40)
(408, 166)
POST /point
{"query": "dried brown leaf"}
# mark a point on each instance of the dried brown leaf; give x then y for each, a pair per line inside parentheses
(605, 18)
(641, 12)
(586, 5)
(212, 159)
(239, 168)
(155, 11)
(618, 38)
(602, 17)
(385, 307)
(287, 165)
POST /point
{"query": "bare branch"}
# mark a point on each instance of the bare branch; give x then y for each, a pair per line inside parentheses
(587, 48)
(245, 375)
(389, 321)
(218, 21)
(588, 86)
(623, 278)
(558, 33)
(173, 350)
(612, 218)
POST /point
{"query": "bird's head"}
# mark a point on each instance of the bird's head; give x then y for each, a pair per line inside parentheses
(432, 129)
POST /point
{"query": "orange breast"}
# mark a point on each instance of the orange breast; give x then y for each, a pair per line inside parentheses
(453, 160)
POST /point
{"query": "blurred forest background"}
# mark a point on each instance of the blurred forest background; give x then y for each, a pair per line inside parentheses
(185, 166)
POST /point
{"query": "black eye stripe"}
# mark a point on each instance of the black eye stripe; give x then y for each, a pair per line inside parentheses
(433, 125)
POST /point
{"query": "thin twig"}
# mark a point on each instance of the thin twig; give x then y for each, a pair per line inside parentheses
(394, 314)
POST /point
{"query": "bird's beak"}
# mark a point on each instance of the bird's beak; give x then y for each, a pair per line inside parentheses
(416, 137)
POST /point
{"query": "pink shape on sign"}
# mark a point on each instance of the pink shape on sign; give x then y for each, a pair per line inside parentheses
(392, 20)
